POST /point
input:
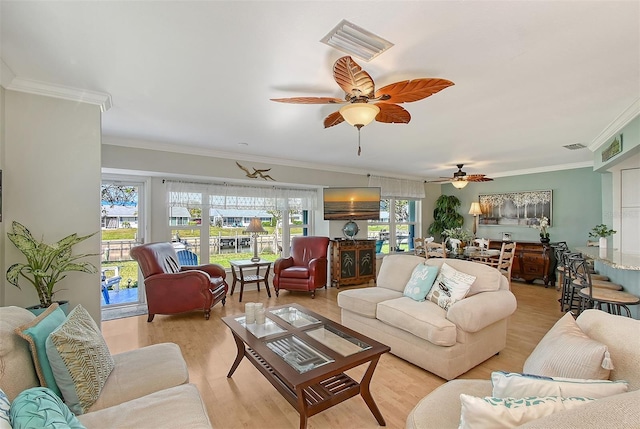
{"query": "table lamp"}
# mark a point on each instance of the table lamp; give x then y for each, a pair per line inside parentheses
(475, 210)
(255, 228)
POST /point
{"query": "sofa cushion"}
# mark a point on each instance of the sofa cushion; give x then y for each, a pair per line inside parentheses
(499, 413)
(396, 270)
(487, 278)
(422, 319)
(565, 351)
(136, 374)
(516, 385)
(5, 406)
(36, 333)
(17, 372)
(80, 359)
(450, 286)
(617, 333)
(41, 407)
(420, 283)
(177, 407)
(364, 301)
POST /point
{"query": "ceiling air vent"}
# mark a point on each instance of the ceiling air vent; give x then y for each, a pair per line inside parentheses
(574, 146)
(356, 41)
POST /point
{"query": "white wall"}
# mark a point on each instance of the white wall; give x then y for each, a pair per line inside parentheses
(51, 184)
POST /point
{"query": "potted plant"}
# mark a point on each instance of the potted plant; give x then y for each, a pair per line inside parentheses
(460, 234)
(601, 231)
(47, 264)
(445, 215)
(543, 224)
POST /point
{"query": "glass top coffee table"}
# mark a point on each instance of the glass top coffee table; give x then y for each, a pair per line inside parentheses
(304, 356)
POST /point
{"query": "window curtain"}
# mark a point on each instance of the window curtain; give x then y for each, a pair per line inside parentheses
(230, 196)
(398, 188)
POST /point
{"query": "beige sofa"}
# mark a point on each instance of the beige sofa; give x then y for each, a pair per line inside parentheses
(148, 388)
(444, 342)
(622, 337)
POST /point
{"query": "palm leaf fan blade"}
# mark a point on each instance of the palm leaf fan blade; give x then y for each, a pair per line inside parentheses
(309, 100)
(392, 114)
(354, 81)
(333, 119)
(411, 90)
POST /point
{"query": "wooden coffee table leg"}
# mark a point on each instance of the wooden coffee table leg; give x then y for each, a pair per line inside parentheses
(302, 408)
(366, 394)
(239, 357)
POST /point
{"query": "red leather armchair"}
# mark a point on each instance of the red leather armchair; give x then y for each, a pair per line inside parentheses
(172, 288)
(305, 269)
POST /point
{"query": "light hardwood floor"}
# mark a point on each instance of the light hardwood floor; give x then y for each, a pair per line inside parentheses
(247, 400)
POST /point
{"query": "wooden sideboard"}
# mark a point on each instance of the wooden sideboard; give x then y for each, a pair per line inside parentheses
(353, 262)
(533, 261)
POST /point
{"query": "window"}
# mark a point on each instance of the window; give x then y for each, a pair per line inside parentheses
(397, 225)
(218, 214)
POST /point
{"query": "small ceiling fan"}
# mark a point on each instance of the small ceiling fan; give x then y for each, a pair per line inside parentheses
(460, 178)
(364, 103)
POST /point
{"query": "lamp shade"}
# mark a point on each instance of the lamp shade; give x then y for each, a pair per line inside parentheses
(459, 183)
(359, 113)
(255, 226)
(475, 209)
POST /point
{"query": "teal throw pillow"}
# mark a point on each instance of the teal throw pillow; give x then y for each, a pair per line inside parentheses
(40, 407)
(420, 283)
(36, 333)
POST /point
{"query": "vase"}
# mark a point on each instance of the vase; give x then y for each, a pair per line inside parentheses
(602, 242)
(37, 309)
(545, 240)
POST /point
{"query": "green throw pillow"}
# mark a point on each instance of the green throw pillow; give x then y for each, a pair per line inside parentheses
(420, 283)
(36, 333)
(40, 407)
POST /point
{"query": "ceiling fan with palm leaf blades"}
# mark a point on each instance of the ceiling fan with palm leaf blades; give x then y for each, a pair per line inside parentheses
(461, 179)
(364, 103)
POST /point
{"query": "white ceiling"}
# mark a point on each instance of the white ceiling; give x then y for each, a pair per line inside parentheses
(530, 77)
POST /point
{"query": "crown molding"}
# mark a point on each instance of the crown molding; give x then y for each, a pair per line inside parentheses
(614, 127)
(545, 169)
(191, 150)
(101, 99)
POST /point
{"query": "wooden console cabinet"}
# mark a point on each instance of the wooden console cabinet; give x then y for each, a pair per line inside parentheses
(353, 262)
(532, 261)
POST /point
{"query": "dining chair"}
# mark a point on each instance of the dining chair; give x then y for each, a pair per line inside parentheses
(435, 250)
(418, 246)
(504, 264)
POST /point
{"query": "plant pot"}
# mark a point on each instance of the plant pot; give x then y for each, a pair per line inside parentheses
(545, 240)
(602, 242)
(37, 309)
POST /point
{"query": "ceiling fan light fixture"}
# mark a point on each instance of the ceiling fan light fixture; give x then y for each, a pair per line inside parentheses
(348, 37)
(459, 184)
(359, 113)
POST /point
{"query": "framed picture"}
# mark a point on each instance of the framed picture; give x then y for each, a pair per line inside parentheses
(516, 208)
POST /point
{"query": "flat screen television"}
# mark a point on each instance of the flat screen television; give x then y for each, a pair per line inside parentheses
(355, 203)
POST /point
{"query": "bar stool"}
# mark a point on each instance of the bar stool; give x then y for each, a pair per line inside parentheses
(559, 248)
(595, 297)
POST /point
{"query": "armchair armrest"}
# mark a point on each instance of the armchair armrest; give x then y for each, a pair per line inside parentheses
(316, 264)
(214, 270)
(481, 310)
(281, 264)
(191, 278)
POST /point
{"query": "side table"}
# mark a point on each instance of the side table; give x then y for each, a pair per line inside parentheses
(240, 276)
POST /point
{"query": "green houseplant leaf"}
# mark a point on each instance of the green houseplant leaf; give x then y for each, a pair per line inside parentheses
(445, 214)
(46, 264)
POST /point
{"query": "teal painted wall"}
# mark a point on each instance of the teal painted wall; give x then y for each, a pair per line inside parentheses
(630, 146)
(576, 205)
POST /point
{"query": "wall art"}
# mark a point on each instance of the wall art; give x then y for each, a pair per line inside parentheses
(516, 208)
